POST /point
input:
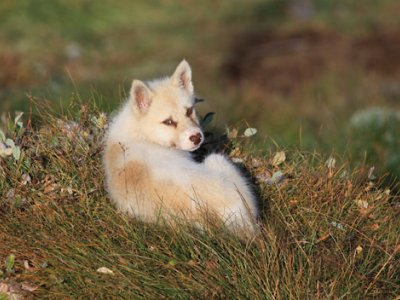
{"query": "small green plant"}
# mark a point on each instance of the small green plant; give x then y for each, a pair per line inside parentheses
(376, 136)
(9, 263)
(8, 147)
(3, 296)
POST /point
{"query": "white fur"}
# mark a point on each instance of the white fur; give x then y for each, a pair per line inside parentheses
(156, 167)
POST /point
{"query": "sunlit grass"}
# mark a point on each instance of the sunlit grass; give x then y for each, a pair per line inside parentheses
(329, 228)
(326, 230)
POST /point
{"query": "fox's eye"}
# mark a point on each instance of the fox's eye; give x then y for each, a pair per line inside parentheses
(189, 111)
(169, 122)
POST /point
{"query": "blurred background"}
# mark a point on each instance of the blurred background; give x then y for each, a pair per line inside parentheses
(313, 74)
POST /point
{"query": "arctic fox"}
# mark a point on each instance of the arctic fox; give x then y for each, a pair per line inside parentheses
(149, 171)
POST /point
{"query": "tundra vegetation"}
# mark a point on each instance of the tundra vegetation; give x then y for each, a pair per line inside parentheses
(315, 87)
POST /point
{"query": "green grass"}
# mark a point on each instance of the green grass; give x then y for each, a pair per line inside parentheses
(326, 231)
(117, 42)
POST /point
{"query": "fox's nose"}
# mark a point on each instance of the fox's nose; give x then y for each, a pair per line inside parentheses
(196, 138)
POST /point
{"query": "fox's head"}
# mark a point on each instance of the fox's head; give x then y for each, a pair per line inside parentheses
(165, 110)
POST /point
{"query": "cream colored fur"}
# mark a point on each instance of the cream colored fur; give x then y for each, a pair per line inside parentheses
(149, 171)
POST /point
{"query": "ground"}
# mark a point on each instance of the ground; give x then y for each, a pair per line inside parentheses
(317, 79)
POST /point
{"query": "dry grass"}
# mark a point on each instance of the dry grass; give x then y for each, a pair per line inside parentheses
(327, 231)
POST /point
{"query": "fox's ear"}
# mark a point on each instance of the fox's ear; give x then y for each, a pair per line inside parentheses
(140, 96)
(182, 76)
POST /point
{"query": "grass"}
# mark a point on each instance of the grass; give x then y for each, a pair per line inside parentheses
(327, 231)
(330, 228)
(89, 50)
